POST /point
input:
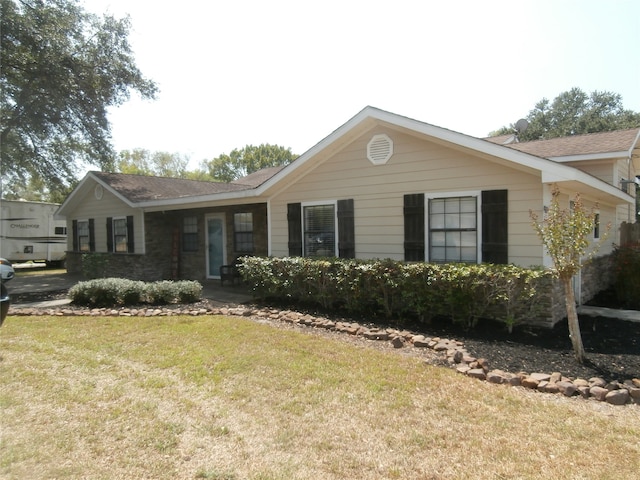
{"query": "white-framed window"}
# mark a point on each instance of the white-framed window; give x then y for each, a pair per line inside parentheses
(453, 228)
(319, 229)
(243, 232)
(120, 239)
(190, 234)
(83, 236)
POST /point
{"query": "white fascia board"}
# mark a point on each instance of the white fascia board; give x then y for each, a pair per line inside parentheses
(589, 183)
(60, 213)
(551, 171)
(591, 156)
(341, 132)
(84, 185)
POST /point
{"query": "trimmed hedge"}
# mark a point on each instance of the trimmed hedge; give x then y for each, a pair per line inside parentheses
(108, 292)
(462, 292)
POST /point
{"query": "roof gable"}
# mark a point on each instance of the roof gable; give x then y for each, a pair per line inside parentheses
(370, 117)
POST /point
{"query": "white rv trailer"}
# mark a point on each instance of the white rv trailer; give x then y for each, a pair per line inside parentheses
(28, 232)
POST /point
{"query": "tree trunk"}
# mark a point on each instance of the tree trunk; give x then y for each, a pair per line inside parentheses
(572, 319)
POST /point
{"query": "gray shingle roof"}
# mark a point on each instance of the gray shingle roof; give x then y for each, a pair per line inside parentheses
(142, 188)
(256, 179)
(592, 143)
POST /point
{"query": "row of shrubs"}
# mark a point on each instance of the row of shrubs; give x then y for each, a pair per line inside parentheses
(464, 293)
(108, 292)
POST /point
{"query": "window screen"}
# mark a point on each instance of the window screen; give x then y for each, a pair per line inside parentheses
(190, 234)
(83, 236)
(319, 231)
(243, 232)
(120, 235)
(453, 229)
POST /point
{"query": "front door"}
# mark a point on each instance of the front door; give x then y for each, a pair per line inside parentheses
(216, 244)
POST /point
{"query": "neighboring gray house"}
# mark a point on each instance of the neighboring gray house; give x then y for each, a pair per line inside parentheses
(380, 186)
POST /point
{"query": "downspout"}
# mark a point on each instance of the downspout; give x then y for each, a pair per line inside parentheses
(629, 176)
(269, 246)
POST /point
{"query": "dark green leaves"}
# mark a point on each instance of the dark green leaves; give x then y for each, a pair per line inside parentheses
(61, 70)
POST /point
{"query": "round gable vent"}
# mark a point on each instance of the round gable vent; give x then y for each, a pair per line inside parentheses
(379, 149)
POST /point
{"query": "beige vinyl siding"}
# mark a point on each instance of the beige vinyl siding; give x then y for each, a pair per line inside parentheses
(605, 170)
(622, 171)
(417, 166)
(607, 215)
(108, 206)
(610, 171)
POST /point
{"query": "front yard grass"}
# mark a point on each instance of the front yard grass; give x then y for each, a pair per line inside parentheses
(224, 398)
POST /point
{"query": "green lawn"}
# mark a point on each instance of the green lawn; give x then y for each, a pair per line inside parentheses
(227, 398)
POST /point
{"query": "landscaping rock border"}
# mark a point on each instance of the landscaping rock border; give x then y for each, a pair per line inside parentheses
(453, 352)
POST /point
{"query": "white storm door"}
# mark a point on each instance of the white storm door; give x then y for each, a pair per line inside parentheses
(216, 244)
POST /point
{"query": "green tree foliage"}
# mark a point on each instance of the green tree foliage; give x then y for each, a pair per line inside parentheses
(565, 235)
(574, 113)
(227, 168)
(36, 189)
(160, 164)
(62, 68)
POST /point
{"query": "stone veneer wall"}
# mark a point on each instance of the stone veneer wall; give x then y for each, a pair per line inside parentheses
(596, 276)
(121, 265)
(164, 258)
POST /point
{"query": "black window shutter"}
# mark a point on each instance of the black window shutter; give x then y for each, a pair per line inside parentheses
(130, 245)
(495, 227)
(294, 219)
(346, 229)
(92, 236)
(74, 229)
(109, 234)
(414, 232)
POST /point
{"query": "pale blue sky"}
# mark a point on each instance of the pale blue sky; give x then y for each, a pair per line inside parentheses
(233, 73)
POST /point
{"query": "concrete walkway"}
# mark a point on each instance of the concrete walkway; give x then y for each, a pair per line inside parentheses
(629, 315)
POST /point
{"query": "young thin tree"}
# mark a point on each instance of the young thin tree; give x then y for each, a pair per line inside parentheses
(565, 235)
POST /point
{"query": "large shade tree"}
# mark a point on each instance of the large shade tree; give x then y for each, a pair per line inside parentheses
(241, 162)
(161, 164)
(62, 68)
(574, 113)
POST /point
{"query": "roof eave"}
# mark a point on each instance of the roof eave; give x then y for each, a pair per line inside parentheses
(591, 186)
(552, 171)
(179, 203)
(590, 156)
(82, 186)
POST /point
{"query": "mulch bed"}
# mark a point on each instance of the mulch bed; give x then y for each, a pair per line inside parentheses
(612, 346)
